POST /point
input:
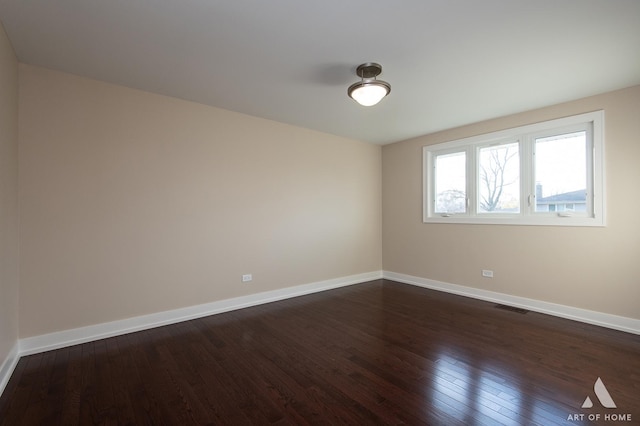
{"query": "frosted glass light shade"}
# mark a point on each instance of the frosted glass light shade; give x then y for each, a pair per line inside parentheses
(368, 94)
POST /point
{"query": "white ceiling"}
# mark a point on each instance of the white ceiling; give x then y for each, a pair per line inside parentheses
(449, 62)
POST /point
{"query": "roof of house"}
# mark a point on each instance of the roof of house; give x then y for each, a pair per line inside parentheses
(566, 197)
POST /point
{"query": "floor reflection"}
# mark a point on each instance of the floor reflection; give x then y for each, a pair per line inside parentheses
(483, 395)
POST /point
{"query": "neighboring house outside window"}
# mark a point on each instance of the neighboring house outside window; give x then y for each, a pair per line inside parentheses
(574, 201)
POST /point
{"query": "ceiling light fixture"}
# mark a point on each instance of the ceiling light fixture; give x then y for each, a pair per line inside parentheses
(369, 91)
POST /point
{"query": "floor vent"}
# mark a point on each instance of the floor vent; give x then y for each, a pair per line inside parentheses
(512, 309)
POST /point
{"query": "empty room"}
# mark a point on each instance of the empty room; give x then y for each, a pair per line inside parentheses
(299, 213)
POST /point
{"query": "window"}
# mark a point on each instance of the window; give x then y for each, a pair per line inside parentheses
(548, 173)
(561, 172)
(451, 183)
(499, 178)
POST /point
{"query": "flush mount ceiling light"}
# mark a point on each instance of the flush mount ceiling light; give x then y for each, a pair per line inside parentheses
(369, 91)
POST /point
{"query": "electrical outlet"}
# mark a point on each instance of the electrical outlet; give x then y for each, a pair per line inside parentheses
(487, 273)
(246, 278)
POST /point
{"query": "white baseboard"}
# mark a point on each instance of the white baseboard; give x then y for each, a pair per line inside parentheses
(7, 367)
(61, 339)
(629, 325)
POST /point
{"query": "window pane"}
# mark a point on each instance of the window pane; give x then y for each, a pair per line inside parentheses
(561, 173)
(499, 179)
(450, 183)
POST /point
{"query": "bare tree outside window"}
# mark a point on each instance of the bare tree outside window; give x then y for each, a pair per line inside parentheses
(451, 201)
(499, 179)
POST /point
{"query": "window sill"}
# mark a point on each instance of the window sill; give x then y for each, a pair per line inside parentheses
(520, 221)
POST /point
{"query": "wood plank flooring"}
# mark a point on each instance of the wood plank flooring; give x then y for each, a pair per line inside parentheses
(374, 353)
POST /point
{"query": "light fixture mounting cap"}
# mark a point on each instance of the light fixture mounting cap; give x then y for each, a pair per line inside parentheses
(369, 70)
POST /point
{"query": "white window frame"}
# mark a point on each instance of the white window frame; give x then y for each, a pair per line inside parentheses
(592, 122)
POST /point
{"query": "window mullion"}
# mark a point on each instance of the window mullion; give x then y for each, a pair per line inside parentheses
(590, 171)
(472, 181)
(527, 183)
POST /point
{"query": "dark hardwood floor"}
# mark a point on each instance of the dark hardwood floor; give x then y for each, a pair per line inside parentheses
(374, 353)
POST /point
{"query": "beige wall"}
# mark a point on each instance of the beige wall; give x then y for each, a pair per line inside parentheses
(134, 203)
(9, 218)
(590, 268)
